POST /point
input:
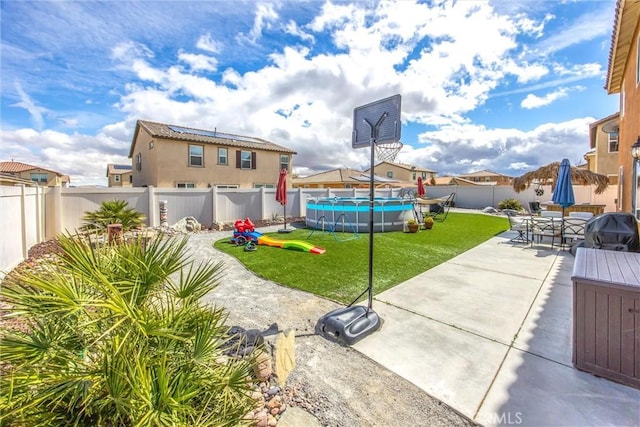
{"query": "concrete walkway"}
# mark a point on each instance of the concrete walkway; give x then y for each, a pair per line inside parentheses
(489, 333)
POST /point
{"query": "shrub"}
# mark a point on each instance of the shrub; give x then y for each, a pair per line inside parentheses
(113, 340)
(112, 212)
(510, 204)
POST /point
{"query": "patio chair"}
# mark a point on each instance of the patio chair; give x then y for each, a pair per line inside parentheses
(572, 229)
(520, 226)
(440, 211)
(542, 227)
(534, 208)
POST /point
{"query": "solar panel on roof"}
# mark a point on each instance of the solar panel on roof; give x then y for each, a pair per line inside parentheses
(213, 134)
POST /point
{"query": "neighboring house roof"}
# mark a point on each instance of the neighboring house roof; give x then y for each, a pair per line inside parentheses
(18, 167)
(118, 169)
(614, 119)
(405, 166)
(483, 173)
(335, 175)
(454, 180)
(181, 133)
(626, 19)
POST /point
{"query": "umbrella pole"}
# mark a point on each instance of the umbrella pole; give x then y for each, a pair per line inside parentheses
(284, 214)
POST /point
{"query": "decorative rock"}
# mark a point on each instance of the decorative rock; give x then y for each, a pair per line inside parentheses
(271, 421)
(263, 369)
(273, 390)
(285, 355)
(187, 224)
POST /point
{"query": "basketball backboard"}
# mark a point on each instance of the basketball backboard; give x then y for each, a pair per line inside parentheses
(367, 116)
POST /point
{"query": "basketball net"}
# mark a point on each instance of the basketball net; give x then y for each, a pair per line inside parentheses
(388, 151)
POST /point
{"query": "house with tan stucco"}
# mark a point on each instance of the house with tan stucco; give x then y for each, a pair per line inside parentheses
(175, 156)
(623, 79)
(119, 175)
(604, 144)
(39, 175)
(403, 172)
(487, 177)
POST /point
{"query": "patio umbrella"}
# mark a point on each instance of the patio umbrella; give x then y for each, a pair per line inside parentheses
(421, 192)
(563, 192)
(548, 174)
(281, 196)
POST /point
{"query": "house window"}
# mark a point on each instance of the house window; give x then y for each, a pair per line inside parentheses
(130, 179)
(196, 155)
(139, 162)
(390, 174)
(424, 175)
(185, 185)
(264, 186)
(245, 160)
(414, 176)
(227, 186)
(284, 161)
(487, 179)
(39, 177)
(116, 178)
(223, 156)
(613, 142)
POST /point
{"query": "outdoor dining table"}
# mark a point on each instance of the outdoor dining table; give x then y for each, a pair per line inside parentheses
(561, 224)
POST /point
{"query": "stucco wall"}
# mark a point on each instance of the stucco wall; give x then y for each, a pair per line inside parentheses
(167, 164)
(630, 120)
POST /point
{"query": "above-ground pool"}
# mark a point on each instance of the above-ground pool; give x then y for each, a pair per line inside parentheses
(351, 214)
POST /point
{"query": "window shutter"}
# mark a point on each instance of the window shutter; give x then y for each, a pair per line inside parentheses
(253, 160)
(238, 159)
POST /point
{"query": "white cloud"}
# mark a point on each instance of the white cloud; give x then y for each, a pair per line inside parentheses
(198, 62)
(589, 26)
(265, 16)
(459, 149)
(28, 104)
(207, 43)
(532, 101)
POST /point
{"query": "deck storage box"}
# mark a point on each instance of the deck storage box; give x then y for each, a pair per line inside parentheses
(606, 314)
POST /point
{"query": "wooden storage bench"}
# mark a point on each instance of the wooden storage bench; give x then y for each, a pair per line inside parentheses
(606, 314)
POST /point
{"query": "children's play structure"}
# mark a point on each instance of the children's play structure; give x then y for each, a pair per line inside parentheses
(245, 233)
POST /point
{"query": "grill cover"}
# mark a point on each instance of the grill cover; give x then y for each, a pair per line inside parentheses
(614, 231)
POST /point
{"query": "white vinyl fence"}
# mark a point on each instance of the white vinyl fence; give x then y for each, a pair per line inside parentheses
(33, 214)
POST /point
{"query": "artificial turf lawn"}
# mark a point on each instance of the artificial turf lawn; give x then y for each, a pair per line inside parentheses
(342, 272)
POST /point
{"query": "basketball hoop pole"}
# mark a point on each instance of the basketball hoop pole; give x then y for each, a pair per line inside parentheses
(372, 142)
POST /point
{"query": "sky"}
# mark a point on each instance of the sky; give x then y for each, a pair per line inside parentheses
(505, 86)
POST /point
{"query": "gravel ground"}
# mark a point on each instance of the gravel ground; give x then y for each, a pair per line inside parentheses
(344, 387)
(336, 384)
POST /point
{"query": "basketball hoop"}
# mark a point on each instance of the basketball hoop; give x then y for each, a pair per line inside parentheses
(388, 151)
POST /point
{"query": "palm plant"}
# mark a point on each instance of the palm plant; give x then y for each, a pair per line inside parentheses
(118, 336)
(112, 212)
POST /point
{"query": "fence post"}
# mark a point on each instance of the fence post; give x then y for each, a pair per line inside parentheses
(23, 221)
(214, 204)
(302, 205)
(263, 208)
(151, 198)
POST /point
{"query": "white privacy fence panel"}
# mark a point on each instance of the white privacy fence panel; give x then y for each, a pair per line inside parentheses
(42, 213)
(22, 225)
(182, 203)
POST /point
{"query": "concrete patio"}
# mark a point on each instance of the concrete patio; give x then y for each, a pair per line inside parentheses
(490, 333)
